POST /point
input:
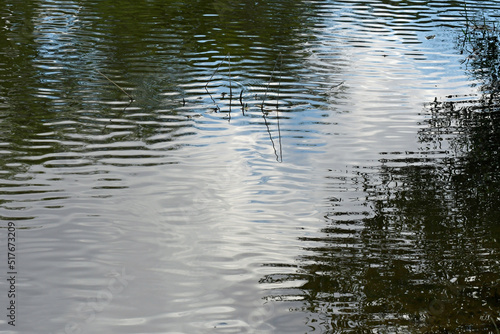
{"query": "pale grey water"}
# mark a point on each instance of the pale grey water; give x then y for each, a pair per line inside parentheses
(163, 216)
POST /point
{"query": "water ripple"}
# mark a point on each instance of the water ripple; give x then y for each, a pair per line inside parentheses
(279, 208)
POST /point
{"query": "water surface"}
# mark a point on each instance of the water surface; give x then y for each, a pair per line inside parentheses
(251, 167)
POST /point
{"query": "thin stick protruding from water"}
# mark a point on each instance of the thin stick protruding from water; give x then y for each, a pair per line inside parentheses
(277, 111)
(230, 85)
(213, 74)
(279, 60)
(241, 102)
(117, 86)
(494, 324)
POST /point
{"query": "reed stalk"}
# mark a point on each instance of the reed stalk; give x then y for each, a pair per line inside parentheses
(279, 60)
(230, 84)
(495, 325)
(213, 74)
(241, 103)
(277, 111)
(117, 86)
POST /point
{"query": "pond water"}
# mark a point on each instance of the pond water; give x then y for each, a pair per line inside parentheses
(224, 166)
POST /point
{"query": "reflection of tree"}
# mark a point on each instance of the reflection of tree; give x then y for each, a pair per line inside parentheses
(49, 54)
(480, 43)
(427, 258)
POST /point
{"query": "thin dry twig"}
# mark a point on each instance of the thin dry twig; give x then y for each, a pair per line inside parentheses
(279, 60)
(213, 74)
(494, 324)
(230, 84)
(337, 85)
(114, 83)
(277, 111)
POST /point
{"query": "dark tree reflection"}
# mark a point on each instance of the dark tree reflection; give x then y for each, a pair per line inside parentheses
(423, 256)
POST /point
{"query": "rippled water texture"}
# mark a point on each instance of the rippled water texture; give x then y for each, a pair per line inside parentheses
(250, 166)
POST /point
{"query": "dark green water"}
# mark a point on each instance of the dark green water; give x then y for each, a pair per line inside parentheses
(250, 166)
